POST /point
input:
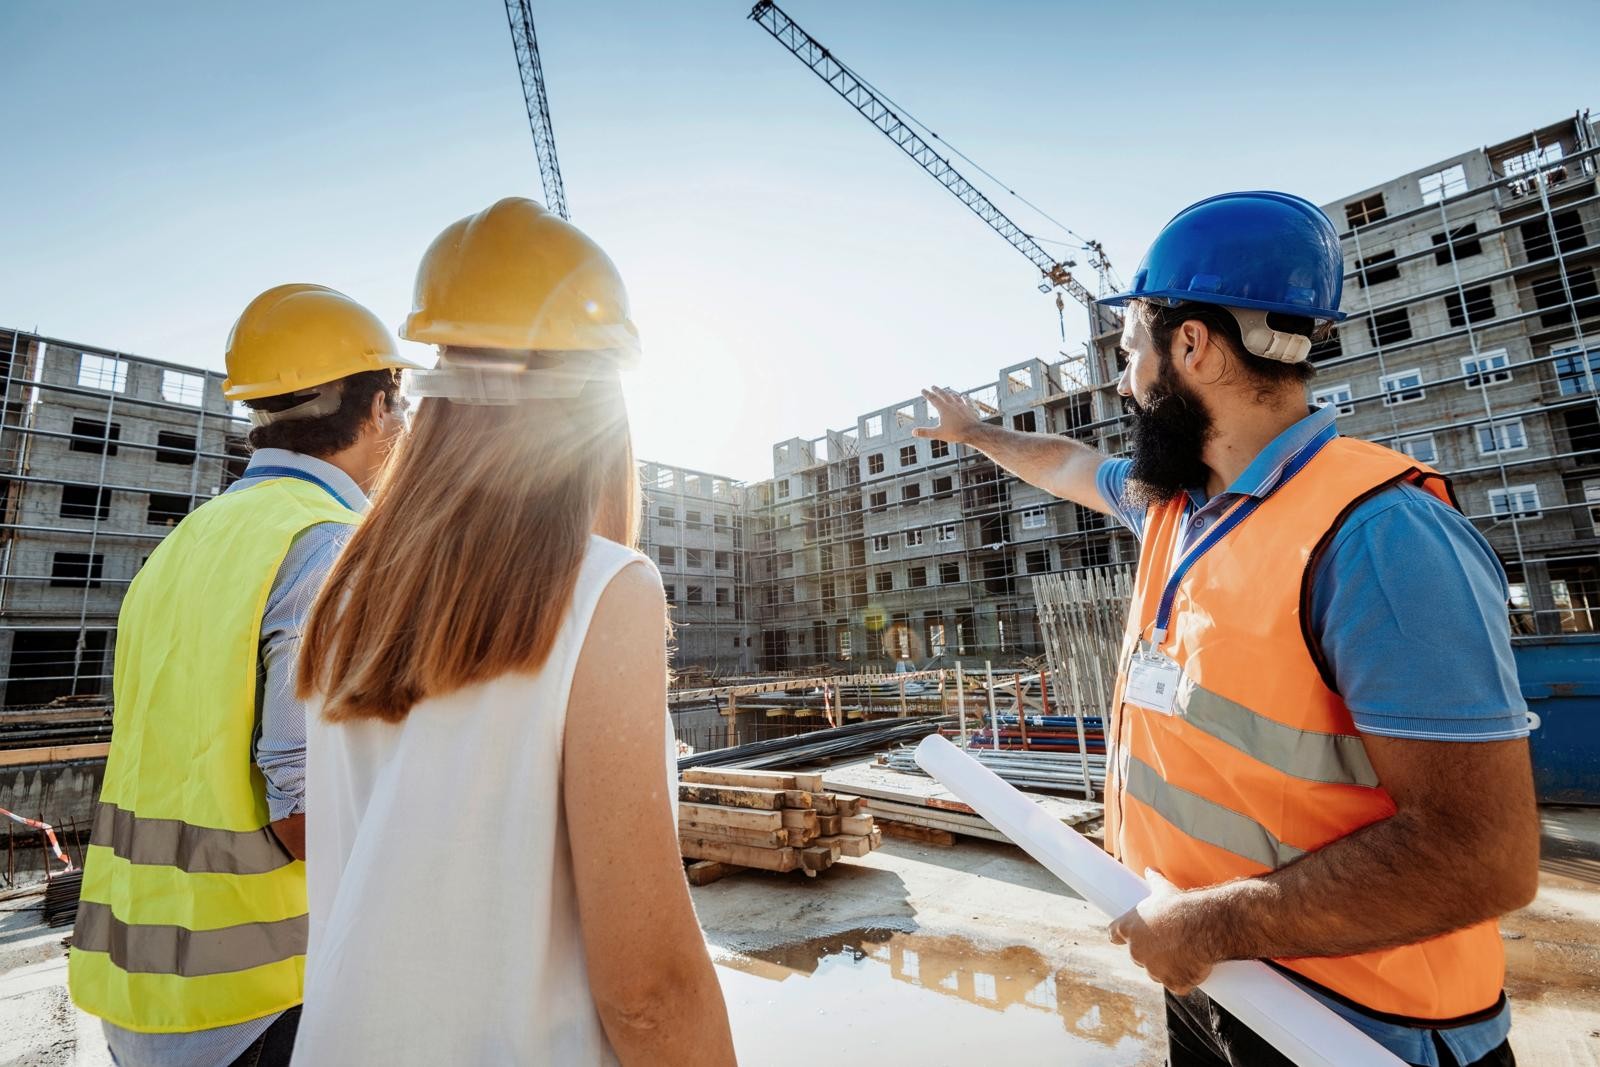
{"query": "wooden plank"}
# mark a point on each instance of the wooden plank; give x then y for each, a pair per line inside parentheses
(856, 824)
(802, 837)
(798, 819)
(732, 796)
(797, 798)
(704, 872)
(945, 804)
(17, 757)
(818, 858)
(766, 859)
(743, 779)
(846, 804)
(758, 838)
(825, 803)
(925, 834)
(811, 783)
(830, 824)
(853, 845)
(875, 838)
(742, 818)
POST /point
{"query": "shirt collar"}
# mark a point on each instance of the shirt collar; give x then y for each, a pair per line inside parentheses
(1266, 470)
(337, 480)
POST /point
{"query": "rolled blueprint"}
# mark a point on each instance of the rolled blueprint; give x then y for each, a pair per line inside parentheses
(1296, 1023)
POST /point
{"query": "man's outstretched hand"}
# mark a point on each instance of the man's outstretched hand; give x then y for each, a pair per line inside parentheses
(957, 417)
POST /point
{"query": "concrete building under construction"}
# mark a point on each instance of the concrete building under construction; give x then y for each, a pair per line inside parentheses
(101, 454)
(1472, 343)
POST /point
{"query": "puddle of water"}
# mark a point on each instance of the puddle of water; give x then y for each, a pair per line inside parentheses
(886, 997)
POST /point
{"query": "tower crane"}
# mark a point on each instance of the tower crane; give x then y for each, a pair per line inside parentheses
(519, 16)
(1055, 275)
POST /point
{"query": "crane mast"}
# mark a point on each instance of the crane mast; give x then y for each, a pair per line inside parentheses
(1055, 274)
(519, 16)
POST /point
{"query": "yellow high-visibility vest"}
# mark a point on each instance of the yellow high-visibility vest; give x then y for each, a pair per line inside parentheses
(192, 914)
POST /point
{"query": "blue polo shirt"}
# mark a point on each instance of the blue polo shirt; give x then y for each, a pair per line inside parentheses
(1409, 607)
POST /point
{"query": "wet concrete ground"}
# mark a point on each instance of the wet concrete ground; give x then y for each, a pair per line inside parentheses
(974, 954)
(931, 956)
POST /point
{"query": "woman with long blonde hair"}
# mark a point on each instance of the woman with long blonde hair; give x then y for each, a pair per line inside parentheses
(493, 867)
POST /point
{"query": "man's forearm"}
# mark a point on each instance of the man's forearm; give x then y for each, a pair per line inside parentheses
(1395, 882)
(1040, 459)
(291, 834)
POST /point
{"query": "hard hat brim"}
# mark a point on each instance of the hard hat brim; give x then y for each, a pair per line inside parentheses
(232, 390)
(1176, 296)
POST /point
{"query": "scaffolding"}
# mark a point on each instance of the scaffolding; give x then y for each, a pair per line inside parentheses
(694, 528)
(101, 454)
(874, 546)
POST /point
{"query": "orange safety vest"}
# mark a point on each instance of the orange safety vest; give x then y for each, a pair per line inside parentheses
(1259, 761)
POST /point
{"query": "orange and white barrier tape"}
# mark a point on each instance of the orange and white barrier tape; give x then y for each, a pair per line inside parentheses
(49, 833)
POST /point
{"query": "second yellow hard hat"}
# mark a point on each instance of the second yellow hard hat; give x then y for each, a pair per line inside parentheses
(295, 337)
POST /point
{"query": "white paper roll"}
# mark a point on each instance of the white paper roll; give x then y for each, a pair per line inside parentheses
(1294, 1022)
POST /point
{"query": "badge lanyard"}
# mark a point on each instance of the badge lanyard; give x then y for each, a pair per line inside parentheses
(290, 472)
(1225, 526)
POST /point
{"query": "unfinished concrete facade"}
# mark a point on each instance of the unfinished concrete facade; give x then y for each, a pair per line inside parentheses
(1473, 344)
(101, 454)
(873, 546)
(694, 528)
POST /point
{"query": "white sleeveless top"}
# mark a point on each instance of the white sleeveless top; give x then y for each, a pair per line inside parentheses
(444, 919)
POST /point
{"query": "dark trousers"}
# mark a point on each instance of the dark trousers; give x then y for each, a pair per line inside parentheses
(1201, 1034)
(275, 1045)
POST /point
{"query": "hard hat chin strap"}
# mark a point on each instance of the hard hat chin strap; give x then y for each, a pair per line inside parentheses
(1262, 340)
(322, 401)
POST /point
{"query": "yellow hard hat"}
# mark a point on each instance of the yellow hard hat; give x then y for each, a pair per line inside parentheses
(514, 276)
(295, 337)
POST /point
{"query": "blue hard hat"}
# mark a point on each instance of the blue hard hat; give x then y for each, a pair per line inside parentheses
(1262, 250)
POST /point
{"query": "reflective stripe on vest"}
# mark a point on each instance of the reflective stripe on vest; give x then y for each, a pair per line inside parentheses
(1207, 820)
(1259, 761)
(1308, 754)
(195, 849)
(192, 915)
(151, 948)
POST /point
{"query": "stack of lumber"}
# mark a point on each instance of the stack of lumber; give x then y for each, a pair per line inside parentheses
(768, 820)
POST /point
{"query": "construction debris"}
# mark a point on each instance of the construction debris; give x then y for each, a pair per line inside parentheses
(61, 898)
(731, 819)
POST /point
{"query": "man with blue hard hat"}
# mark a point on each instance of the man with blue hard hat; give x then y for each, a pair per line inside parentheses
(1318, 747)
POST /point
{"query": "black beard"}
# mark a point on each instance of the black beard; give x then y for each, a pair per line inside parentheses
(1169, 434)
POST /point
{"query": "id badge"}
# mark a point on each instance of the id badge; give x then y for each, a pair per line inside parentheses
(1152, 682)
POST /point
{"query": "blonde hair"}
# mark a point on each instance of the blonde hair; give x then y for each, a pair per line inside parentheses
(467, 560)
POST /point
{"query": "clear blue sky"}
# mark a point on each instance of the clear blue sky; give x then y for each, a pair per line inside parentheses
(789, 267)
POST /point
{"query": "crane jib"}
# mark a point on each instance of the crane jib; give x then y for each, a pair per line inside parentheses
(861, 96)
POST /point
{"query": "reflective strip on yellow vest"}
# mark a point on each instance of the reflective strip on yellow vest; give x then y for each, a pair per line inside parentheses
(192, 915)
(1259, 761)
